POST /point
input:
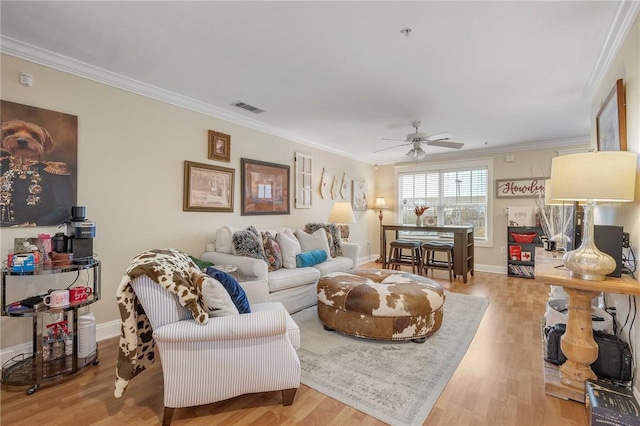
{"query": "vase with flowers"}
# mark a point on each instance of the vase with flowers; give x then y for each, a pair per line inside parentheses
(419, 210)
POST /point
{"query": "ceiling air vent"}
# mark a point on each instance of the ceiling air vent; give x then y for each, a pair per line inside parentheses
(248, 107)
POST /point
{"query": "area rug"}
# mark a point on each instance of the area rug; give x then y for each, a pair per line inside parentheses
(395, 382)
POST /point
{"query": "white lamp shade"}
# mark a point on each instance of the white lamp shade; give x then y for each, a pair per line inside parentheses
(380, 204)
(549, 199)
(599, 176)
(342, 213)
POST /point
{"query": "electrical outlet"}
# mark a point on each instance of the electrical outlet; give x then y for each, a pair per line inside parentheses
(503, 250)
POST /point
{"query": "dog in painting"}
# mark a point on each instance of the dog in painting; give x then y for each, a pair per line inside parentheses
(33, 192)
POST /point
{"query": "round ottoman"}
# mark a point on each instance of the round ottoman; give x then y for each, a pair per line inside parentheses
(380, 304)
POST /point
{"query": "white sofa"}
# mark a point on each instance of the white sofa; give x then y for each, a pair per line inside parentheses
(294, 288)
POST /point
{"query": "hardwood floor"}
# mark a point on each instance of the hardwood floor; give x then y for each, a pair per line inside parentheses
(499, 381)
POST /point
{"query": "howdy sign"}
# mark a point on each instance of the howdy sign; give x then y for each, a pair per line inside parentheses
(520, 188)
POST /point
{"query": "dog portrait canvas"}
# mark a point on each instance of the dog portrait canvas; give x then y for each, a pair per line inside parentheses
(38, 165)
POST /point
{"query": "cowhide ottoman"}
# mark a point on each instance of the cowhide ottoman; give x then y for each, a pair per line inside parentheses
(380, 304)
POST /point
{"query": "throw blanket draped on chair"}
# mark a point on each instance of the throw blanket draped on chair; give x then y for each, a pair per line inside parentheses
(173, 270)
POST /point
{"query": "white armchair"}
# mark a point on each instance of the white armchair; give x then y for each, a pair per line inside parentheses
(227, 357)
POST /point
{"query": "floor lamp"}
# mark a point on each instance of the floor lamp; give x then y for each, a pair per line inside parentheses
(380, 205)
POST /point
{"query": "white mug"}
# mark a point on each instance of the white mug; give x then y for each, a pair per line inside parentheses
(57, 298)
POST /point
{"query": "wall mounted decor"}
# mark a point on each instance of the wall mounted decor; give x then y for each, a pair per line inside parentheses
(265, 188)
(335, 187)
(38, 167)
(520, 188)
(207, 188)
(303, 197)
(219, 146)
(324, 182)
(359, 194)
(344, 187)
(611, 121)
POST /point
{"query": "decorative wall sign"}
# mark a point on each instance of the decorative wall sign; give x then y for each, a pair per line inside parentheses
(520, 188)
(207, 188)
(39, 164)
(219, 146)
(265, 188)
(359, 195)
(611, 121)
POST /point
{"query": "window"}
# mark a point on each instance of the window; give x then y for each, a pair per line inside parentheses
(455, 195)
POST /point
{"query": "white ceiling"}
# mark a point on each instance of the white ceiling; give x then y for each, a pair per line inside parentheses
(340, 75)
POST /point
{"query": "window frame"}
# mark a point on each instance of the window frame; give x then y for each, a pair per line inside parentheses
(446, 166)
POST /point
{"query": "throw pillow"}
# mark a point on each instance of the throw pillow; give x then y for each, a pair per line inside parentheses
(272, 251)
(215, 298)
(289, 247)
(333, 229)
(237, 294)
(310, 258)
(317, 240)
(224, 240)
(248, 243)
(202, 264)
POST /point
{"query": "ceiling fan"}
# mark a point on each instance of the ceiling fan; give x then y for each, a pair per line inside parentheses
(417, 138)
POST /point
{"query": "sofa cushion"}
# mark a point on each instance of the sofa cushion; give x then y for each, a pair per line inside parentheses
(310, 258)
(290, 278)
(216, 299)
(336, 264)
(315, 241)
(236, 292)
(224, 240)
(289, 247)
(271, 251)
(336, 236)
(248, 242)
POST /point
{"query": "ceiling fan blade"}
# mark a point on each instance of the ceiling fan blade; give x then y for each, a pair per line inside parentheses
(392, 147)
(445, 144)
(440, 136)
(389, 139)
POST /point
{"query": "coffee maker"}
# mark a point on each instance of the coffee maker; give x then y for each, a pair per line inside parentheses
(81, 233)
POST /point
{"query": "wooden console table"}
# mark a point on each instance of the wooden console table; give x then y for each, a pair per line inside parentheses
(462, 244)
(577, 343)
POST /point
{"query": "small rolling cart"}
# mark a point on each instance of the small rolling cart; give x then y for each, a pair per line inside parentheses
(49, 363)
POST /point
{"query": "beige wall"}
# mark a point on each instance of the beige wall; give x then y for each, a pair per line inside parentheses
(130, 177)
(627, 67)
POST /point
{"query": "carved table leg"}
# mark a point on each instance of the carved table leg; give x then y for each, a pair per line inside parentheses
(577, 343)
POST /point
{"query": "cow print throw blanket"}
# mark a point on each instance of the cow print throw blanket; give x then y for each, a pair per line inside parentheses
(174, 271)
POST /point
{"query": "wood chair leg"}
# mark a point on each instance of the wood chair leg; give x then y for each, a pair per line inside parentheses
(168, 415)
(288, 395)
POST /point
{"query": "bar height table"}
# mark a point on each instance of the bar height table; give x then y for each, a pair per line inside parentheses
(462, 244)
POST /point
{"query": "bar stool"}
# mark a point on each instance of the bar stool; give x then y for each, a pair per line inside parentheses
(397, 258)
(429, 262)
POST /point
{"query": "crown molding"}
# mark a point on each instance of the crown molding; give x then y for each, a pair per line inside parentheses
(581, 142)
(28, 52)
(622, 22)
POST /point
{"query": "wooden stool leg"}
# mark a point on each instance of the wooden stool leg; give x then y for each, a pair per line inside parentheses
(450, 265)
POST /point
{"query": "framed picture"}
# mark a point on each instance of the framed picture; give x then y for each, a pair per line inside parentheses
(265, 188)
(359, 195)
(520, 188)
(611, 121)
(219, 146)
(207, 188)
(42, 193)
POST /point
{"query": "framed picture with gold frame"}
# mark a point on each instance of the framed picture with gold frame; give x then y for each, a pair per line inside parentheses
(207, 188)
(219, 146)
(611, 121)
